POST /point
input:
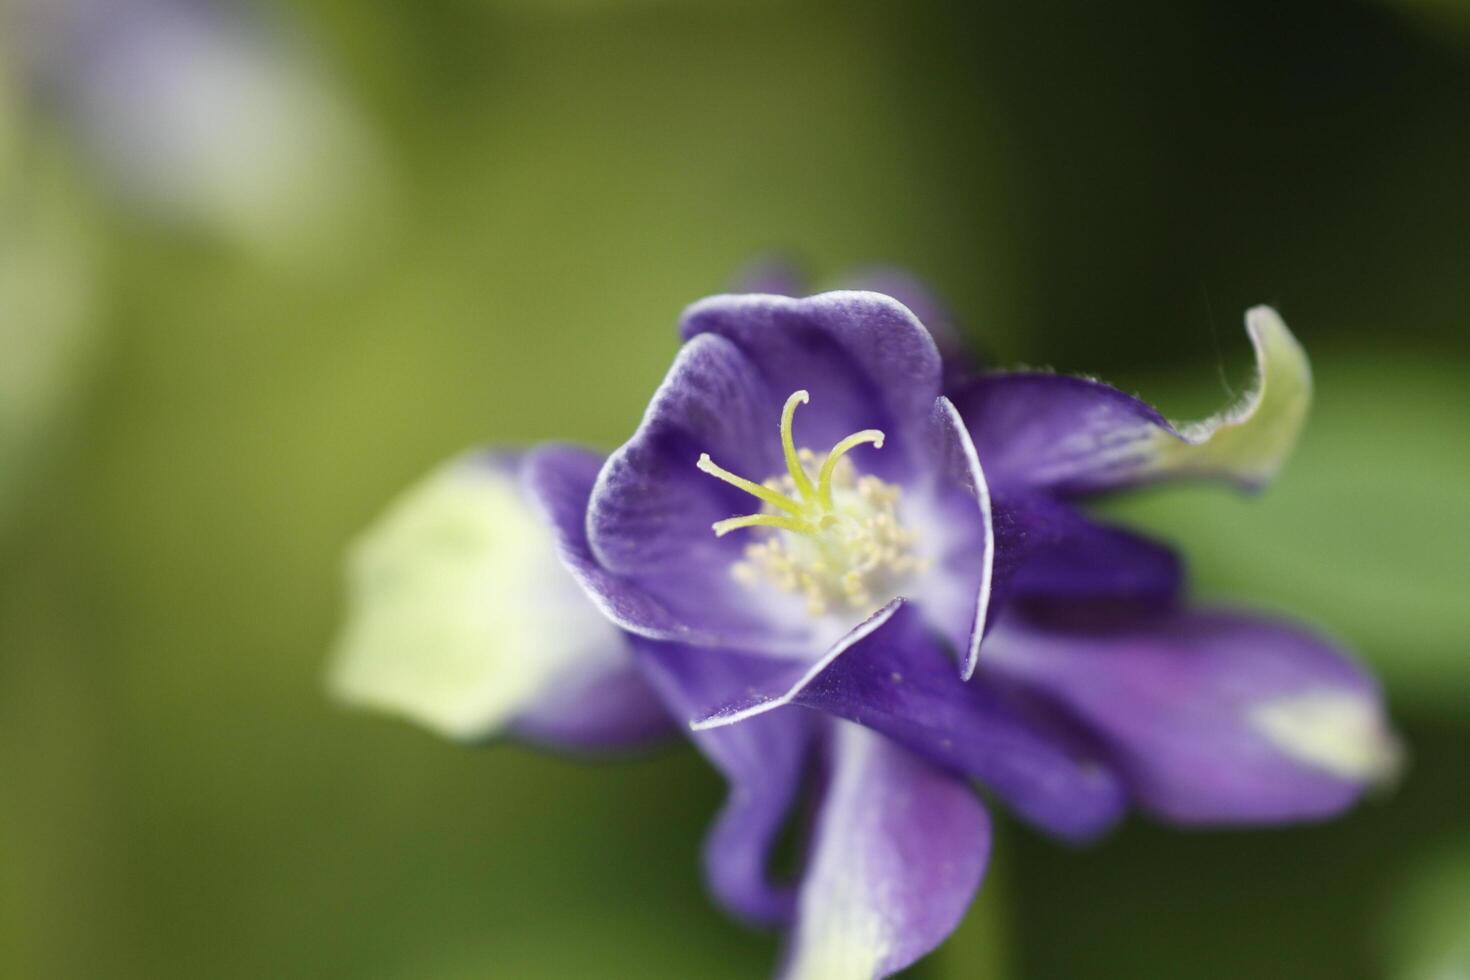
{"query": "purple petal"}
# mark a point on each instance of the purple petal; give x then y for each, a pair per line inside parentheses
(1049, 551)
(956, 592)
(463, 619)
(1074, 435)
(1018, 546)
(933, 312)
(611, 709)
(649, 553)
(762, 761)
(865, 359)
(897, 855)
(891, 675)
(560, 480)
(1050, 431)
(1213, 717)
(783, 277)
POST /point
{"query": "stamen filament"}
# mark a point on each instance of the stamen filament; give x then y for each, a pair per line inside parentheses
(844, 546)
(772, 497)
(788, 445)
(824, 478)
(722, 528)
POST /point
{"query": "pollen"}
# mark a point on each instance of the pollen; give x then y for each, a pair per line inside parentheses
(836, 540)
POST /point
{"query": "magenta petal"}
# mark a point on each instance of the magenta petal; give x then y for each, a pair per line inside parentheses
(891, 675)
(1212, 717)
(897, 855)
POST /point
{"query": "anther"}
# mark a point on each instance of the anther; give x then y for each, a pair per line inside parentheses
(846, 541)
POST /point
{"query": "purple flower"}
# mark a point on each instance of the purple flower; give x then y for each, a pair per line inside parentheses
(832, 561)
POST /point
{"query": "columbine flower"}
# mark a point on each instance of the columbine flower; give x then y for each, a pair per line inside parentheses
(831, 571)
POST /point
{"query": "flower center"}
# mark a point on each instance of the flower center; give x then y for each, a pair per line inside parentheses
(835, 540)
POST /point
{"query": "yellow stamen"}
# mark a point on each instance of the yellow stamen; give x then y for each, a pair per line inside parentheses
(724, 527)
(824, 479)
(846, 547)
(815, 509)
(788, 445)
(773, 497)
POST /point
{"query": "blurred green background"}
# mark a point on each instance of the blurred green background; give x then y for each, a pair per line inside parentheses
(260, 269)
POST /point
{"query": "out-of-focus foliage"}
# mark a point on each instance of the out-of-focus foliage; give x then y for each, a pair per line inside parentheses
(1428, 936)
(539, 189)
(1447, 20)
(47, 322)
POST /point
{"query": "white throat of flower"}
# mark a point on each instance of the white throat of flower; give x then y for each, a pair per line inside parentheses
(836, 540)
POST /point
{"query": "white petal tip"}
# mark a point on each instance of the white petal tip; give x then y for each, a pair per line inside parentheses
(1339, 732)
(1250, 441)
(460, 614)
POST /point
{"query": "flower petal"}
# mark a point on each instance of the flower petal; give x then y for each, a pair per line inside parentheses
(1049, 551)
(1213, 717)
(932, 311)
(1075, 435)
(957, 512)
(891, 675)
(462, 619)
(784, 277)
(1018, 546)
(560, 479)
(762, 761)
(664, 573)
(866, 360)
(897, 855)
(596, 710)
